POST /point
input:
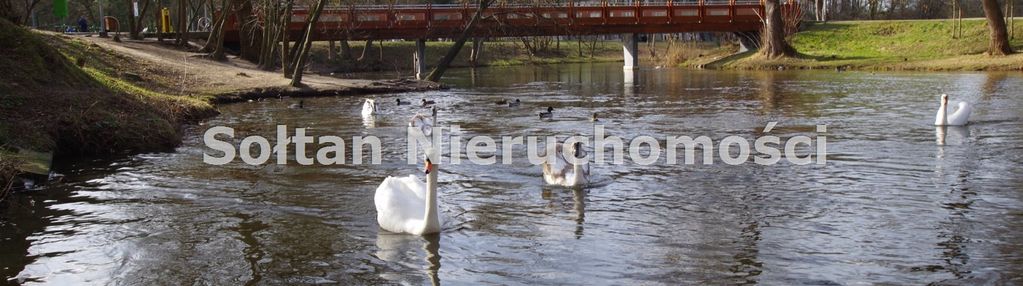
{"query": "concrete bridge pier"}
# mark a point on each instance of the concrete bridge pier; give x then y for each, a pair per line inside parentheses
(419, 60)
(630, 48)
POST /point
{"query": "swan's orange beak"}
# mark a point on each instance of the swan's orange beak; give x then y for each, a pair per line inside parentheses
(428, 166)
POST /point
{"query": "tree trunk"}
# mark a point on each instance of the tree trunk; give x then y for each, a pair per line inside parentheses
(157, 17)
(365, 49)
(442, 66)
(212, 42)
(346, 50)
(331, 50)
(579, 46)
(276, 18)
(135, 24)
(181, 25)
(303, 54)
(996, 25)
(824, 11)
(818, 10)
(29, 7)
(131, 20)
(249, 33)
(774, 45)
(218, 31)
(285, 50)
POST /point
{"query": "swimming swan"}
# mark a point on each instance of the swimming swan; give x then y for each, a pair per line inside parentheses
(406, 204)
(369, 107)
(959, 118)
(560, 171)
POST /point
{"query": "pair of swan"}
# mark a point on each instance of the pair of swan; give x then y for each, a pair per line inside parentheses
(408, 205)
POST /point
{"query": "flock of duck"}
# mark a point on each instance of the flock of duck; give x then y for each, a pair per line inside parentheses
(408, 205)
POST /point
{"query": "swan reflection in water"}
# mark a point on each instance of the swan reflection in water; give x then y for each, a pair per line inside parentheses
(579, 206)
(407, 251)
(960, 134)
(369, 121)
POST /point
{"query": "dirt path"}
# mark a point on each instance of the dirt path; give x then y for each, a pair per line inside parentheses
(237, 79)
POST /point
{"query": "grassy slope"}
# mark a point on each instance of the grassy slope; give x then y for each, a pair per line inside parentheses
(892, 45)
(49, 103)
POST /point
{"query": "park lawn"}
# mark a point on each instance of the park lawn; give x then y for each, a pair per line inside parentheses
(891, 45)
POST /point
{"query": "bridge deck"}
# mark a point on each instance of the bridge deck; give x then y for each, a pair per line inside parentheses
(446, 21)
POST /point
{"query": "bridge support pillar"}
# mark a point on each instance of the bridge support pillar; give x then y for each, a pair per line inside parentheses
(748, 41)
(630, 49)
(420, 59)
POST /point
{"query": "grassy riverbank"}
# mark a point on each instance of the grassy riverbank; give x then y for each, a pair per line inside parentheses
(67, 95)
(64, 95)
(890, 45)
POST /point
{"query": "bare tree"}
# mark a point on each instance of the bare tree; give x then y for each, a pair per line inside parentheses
(442, 66)
(821, 10)
(249, 32)
(215, 40)
(306, 42)
(218, 32)
(30, 5)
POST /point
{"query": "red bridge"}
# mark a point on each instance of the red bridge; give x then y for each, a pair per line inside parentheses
(363, 22)
(420, 22)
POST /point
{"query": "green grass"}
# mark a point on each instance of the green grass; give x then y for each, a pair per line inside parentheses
(54, 105)
(905, 44)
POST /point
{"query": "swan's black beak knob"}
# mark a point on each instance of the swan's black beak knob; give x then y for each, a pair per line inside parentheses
(429, 166)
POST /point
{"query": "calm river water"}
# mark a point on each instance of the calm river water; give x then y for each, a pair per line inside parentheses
(891, 205)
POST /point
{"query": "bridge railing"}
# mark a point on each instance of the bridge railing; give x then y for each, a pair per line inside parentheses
(573, 17)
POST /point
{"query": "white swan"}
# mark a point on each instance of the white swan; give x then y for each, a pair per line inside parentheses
(423, 123)
(369, 107)
(560, 171)
(406, 204)
(959, 118)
